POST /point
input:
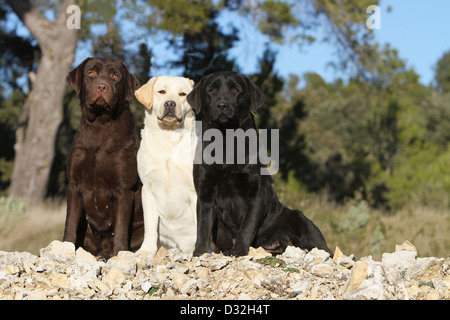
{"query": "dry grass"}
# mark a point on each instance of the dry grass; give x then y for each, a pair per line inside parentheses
(354, 227)
(24, 228)
(426, 228)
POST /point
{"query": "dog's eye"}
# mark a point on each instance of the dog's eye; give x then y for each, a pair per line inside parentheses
(115, 76)
(162, 91)
(235, 90)
(212, 90)
(91, 73)
(182, 94)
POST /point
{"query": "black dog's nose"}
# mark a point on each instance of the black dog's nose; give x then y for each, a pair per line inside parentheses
(170, 106)
(102, 87)
(223, 105)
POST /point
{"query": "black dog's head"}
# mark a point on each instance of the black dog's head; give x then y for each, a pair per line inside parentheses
(102, 84)
(225, 99)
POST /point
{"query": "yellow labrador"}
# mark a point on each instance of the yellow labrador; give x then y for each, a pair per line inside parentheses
(165, 163)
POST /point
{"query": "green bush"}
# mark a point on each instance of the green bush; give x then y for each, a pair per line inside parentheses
(422, 176)
(357, 217)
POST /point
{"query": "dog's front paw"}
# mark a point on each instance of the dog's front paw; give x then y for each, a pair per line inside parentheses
(236, 252)
(198, 253)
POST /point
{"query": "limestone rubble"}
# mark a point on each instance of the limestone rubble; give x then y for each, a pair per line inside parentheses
(61, 272)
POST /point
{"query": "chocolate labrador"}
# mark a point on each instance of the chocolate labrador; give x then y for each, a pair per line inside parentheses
(237, 206)
(104, 208)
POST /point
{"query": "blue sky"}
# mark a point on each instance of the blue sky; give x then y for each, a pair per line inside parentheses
(419, 31)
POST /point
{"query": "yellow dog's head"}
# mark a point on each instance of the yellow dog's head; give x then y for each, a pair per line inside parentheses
(167, 96)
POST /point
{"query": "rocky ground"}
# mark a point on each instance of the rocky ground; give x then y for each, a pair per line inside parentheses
(61, 272)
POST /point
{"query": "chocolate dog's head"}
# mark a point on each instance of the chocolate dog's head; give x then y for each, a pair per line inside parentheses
(225, 98)
(103, 85)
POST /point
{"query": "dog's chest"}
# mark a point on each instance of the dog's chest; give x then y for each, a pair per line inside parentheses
(98, 179)
(229, 184)
(165, 163)
(172, 185)
(96, 168)
(169, 153)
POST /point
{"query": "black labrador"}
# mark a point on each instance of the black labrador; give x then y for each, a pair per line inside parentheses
(104, 208)
(237, 207)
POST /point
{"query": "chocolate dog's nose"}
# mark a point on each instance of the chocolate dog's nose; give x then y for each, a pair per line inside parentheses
(223, 105)
(102, 87)
(170, 106)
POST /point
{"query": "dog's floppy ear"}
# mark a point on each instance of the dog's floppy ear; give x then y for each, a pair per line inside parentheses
(131, 82)
(194, 98)
(75, 77)
(256, 95)
(191, 82)
(145, 93)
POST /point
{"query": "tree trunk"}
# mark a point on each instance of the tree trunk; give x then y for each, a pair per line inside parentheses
(42, 112)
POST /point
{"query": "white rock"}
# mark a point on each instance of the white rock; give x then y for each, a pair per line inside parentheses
(176, 255)
(293, 253)
(258, 253)
(322, 270)
(113, 277)
(244, 296)
(161, 268)
(84, 258)
(368, 290)
(189, 287)
(63, 273)
(219, 263)
(146, 286)
(421, 264)
(62, 252)
(125, 262)
(358, 275)
(178, 279)
(316, 254)
(78, 281)
(373, 284)
(181, 268)
(37, 295)
(255, 275)
(346, 262)
(406, 245)
(402, 259)
(301, 287)
(202, 272)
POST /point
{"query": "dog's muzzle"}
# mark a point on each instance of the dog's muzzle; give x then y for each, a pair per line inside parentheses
(170, 114)
(223, 111)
